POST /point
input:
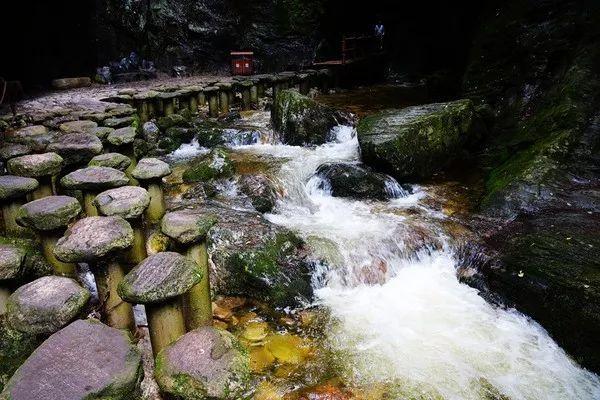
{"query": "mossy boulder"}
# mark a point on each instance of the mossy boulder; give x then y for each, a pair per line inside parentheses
(214, 165)
(301, 120)
(15, 347)
(206, 363)
(187, 226)
(415, 142)
(35, 264)
(260, 190)
(85, 360)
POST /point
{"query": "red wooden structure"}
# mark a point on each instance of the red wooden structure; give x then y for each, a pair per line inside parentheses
(242, 62)
(355, 48)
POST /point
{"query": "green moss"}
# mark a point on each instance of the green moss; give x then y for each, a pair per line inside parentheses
(15, 347)
(35, 262)
(214, 165)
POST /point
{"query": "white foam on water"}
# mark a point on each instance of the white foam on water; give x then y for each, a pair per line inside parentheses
(188, 150)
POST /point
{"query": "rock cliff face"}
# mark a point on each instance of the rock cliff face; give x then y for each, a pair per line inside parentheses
(201, 33)
(537, 64)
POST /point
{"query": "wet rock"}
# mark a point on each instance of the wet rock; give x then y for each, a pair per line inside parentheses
(151, 132)
(356, 182)
(85, 360)
(102, 132)
(49, 213)
(151, 168)
(94, 178)
(81, 126)
(126, 202)
(37, 137)
(301, 120)
(159, 277)
(15, 347)
(36, 165)
(174, 137)
(170, 121)
(187, 226)
(92, 238)
(46, 305)
(76, 148)
(122, 136)
(118, 122)
(214, 165)
(111, 160)
(11, 150)
(12, 187)
(260, 190)
(11, 261)
(415, 142)
(205, 363)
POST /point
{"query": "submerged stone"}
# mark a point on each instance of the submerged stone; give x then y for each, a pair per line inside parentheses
(111, 160)
(415, 142)
(159, 277)
(94, 178)
(11, 261)
(48, 213)
(206, 363)
(187, 226)
(46, 305)
(301, 120)
(85, 360)
(12, 187)
(36, 165)
(126, 202)
(76, 148)
(92, 238)
(216, 164)
(151, 168)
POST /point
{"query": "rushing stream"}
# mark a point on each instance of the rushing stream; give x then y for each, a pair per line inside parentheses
(399, 315)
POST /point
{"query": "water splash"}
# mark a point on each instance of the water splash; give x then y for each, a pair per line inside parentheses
(188, 150)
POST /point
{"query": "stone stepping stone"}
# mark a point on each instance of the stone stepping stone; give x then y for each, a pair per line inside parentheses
(159, 277)
(206, 363)
(126, 202)
(122, 136)
(76, 148)
(94, 178)
(36, 165)
(49, 213)
(46, 305)
(111, 160)
(102, 132)
(12, 187)
(187, 226)
(118, 122)
(150, 168)
(93, 238)
(11, 261)
(81, 126)
(85, 360)
(35, 136)
(11, 150)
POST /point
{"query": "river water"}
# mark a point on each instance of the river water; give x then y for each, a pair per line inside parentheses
(398, 314)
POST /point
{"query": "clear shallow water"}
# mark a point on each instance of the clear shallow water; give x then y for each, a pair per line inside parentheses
(402, 317)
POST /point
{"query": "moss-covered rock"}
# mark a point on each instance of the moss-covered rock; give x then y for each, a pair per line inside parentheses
(214, 165)
(15, 347)
(300, 120)
(35, 264)
(415, 142)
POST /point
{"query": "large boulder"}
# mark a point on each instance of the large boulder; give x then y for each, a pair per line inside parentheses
(300, 120)
(260, 190)
(415, 142)
(86, 360)
(357, 182)
(214, 165)
(206, 363)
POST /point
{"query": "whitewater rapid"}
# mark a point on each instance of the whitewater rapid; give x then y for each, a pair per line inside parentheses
(403, 318)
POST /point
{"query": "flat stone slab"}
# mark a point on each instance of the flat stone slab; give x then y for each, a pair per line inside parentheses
(85, 360)
(126, 202)
(76, 148)
(111, 160)
(12, 186)
(81, 126)
(71, 83)
(46, 305)
(187, 226)
(159, 277)
(11, 150)
(36, 165)
(116, 122)
(206, 363)
(102, 131)
(11, 260)
(94, 178)
(35, 136)
(49, 213)
(151, 168)
(122, 136)
(93, 238)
